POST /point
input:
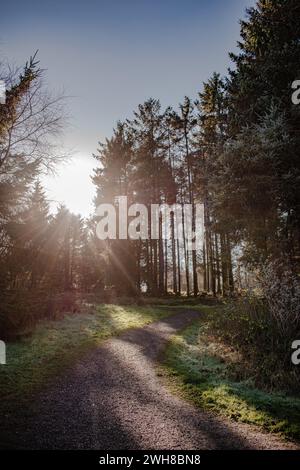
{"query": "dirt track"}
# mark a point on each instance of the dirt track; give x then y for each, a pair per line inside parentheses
(113, 399)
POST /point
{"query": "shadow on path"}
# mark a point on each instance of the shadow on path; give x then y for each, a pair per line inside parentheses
(113, 399)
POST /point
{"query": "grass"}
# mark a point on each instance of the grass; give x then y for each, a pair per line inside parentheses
(198, 367)
(55, 345)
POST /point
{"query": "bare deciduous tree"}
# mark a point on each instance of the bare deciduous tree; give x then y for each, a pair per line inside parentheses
(31, 121)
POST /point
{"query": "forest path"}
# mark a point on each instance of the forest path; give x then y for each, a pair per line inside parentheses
(113, 399)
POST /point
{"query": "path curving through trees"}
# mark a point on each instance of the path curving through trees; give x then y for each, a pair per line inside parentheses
(113, 399)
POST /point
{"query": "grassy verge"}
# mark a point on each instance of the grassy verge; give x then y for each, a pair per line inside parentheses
(55, 345)
(199, 367)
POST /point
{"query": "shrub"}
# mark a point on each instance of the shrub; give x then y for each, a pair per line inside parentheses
(281, 289)
(262, 328)
(20, 310)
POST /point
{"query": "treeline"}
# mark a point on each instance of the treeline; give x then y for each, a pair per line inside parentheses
(155, 159)
(43, 257)
(235, 150)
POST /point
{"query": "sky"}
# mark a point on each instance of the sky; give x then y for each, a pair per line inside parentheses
(109, 56)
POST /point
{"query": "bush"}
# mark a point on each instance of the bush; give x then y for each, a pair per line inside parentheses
(263, 328)
(281, 289)
(20, 310)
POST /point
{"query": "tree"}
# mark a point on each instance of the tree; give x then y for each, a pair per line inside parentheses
(263, 125)
(211, 138)
(30, 119)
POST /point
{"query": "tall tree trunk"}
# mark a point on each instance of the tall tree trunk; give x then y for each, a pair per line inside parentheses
(138, 266)
(178, 267)
(151, 287)
(166, 266)
(194, 254)
(173, 253)
(148, 269)
(212, 267)
(217, 264)
(224, 264)
(161, 258)
(155, 267)
(186, 254)
(230, 269)
(204, 267)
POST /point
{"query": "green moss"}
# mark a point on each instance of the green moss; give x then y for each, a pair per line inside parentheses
(57, 344)
(199, 368)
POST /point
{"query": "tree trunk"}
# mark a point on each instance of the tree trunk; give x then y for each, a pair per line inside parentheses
(217, 264)
(161, 258)
(173, 253)
(178, 268)
(186, 255)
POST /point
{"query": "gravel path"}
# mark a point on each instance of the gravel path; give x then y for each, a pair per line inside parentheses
(113, 399)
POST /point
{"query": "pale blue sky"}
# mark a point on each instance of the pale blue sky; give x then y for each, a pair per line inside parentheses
(109, 56)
